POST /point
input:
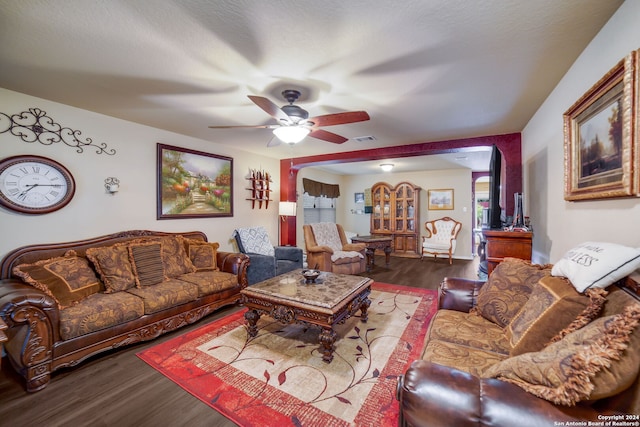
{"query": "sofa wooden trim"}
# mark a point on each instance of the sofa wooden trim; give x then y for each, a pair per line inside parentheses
(35, 348)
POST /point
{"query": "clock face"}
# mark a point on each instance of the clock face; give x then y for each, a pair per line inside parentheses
(34, 184)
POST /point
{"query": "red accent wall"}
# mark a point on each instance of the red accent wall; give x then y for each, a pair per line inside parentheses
(509, 145)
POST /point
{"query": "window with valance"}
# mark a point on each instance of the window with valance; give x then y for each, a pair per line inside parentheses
(318, 189)
(319, 201)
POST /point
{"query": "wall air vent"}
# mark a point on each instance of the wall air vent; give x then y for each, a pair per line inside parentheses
(364, 138)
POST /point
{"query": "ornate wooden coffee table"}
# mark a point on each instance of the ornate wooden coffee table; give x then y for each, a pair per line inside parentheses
(289, 299)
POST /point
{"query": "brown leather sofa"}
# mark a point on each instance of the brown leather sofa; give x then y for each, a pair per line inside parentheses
(433, 392)
(52, 326)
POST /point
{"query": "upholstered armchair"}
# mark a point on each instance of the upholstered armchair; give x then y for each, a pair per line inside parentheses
(265, 260)
(441, 238)
(328, 250)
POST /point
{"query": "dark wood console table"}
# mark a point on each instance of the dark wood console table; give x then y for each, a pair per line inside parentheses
(372, 243)
(503, 244)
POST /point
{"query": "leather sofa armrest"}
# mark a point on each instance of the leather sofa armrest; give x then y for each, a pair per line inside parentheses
(33, 323)
(234, 263)
(290, 253)
(15, 296)
(435, 395)
(458, 294)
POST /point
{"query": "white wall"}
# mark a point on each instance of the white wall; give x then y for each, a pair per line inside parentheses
(559, 225)
(92, 212)
(457, 179)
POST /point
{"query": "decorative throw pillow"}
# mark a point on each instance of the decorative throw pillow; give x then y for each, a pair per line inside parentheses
(113, 266)
(552, 306)
(174, 258)
(508, 289)
(66, 279)
(597, 264)
(597, 298)
(256, 240)
(588, 364)
(202, 254)
(146, 260)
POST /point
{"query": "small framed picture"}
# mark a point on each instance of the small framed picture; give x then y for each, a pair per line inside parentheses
(441, 199)
(359, 197)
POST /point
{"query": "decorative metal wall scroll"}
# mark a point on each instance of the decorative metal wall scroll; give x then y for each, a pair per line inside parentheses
(35, 126)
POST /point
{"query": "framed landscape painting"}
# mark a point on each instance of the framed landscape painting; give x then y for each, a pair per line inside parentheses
(440, 199)
(193, 184)
(599, 139)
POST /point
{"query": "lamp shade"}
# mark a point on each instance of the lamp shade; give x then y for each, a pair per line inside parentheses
(287, 208)
(291, 134)
(386, 166)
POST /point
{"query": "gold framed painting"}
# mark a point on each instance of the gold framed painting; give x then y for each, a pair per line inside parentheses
(440, 199)
(600, 137)
(193, 184)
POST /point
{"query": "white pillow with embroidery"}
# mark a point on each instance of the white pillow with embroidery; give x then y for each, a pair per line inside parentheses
(597, 264)
(256, 240)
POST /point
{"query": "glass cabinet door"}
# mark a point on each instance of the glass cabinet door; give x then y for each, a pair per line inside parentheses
(401, 209)
(405, 208)
(381, 216)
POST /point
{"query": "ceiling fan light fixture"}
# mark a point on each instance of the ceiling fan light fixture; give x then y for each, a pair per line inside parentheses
(291, 134)
(295, 113)
(386, 167)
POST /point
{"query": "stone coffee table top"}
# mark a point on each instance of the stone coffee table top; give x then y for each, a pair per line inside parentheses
(328, 290)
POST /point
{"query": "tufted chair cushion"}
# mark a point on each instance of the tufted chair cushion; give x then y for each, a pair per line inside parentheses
(441, 237)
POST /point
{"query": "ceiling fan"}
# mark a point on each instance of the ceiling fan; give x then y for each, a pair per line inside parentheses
(294, 123)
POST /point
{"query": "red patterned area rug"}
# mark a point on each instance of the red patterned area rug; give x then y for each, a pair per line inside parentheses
(278, 378)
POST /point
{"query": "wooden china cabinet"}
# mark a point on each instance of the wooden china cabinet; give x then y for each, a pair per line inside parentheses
(396, 214)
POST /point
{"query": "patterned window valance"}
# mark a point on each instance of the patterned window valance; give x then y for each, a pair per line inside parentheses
(317, 189)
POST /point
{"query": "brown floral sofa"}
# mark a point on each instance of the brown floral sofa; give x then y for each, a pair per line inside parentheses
(525, 348)
(65, 302)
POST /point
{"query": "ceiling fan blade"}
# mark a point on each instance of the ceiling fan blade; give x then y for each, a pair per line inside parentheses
(246, 127)
(273, 142)
(327, 136)
(339, 118)
(270, 108)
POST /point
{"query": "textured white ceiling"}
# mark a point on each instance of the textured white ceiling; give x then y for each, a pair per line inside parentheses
(425, 70)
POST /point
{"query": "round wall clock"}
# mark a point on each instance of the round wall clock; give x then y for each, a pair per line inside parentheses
(34, 185)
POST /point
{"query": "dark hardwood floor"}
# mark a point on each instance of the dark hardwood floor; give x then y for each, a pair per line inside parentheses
(426, 273)
(119, 389)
